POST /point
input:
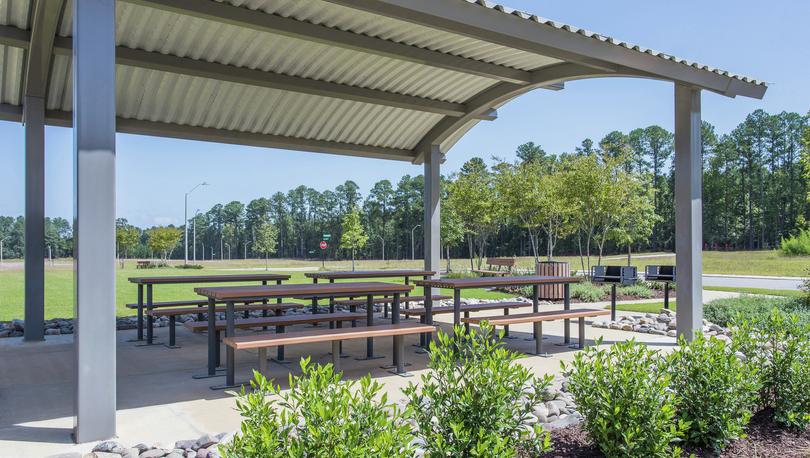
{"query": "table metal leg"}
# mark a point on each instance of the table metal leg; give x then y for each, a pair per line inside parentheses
(536, 309)
(280, 349)
(567, 306)
(140, 313)
(172, 332)
(581, 343)
(456, 307)
(398, 341)
(230, 353)
(213, 343)
(150, 321)
(369, 322)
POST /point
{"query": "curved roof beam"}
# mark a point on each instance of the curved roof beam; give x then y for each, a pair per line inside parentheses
(498, 95)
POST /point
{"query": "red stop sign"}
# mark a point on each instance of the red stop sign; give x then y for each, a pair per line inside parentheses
(323, 244)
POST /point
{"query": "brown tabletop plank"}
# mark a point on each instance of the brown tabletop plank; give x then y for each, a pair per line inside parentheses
(349, 274)
(177, 279)
(486, 282)
(551, 315)
(324, 290)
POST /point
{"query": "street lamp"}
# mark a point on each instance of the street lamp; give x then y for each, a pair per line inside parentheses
(194, 236)
(383, 245)
(413, 250)
(247, 242)
(229, 250)
(185, 221)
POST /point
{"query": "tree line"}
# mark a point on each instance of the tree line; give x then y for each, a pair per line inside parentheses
(610, 196)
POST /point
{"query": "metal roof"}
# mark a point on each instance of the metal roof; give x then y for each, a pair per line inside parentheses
(376, 78)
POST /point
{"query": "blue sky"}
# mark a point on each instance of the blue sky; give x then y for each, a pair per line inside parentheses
(764, 40)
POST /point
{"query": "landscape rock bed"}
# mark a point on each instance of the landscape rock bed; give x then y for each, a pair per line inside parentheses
(206, 446)
(663, 324)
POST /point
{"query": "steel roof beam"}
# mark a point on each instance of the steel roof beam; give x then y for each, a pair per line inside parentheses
(45, 19)
(207, 134)
(271, 23)
(240, 75)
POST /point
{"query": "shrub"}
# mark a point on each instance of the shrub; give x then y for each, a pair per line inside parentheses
(796, 245)
(753, 309)
(320, 416)
(780, 345)
(638, 290)
(189, 266)
(716, 391)
(588, 292)
(477, 399)
(623, 393)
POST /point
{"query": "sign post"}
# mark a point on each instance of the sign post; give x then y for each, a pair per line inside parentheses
(323, 246)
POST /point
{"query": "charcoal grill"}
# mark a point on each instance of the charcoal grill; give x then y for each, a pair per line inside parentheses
(614, 275)
(664, 274)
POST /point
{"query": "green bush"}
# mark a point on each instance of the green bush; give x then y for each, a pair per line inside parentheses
(796, 245)
(780, 345)
(476, 399)
(320, 416)
(716, 391)
(589, 292)
(753, 309)
(189, 266)
(625, 396)
(639, 290)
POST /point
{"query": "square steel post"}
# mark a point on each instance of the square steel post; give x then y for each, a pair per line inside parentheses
(688, 210)
(34, 119)
(94, 218)
(432, 226)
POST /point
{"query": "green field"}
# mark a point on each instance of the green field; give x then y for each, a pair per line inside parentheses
(59, 277)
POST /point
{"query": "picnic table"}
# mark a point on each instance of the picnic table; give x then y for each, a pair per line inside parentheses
(457, 284)
(150, 282)
(314, 291)
(407, 274)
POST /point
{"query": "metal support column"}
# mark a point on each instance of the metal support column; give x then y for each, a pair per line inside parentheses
(432, 201)
(94, 218)
(34, 119)
(688, 210)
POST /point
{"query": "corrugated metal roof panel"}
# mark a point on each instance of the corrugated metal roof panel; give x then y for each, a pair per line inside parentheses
(186, 36)
(166, 97)
(15, 12)
(11, 63)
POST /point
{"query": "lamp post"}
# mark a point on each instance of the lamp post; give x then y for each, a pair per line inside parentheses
(185, 221)
(383, 245)
(247, 242)
(229, 250)
(194, 236)
(413, 250)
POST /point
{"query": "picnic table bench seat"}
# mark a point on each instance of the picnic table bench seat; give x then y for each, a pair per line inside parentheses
(466, 309)
(221, 308)
(278, 321)
(191, 302)
(264, 341)
(494, 266)
(537, 319)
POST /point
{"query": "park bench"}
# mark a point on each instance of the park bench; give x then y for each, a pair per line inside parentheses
(467, 308)
(173, 313)
(262, 342)
(537, 319)
(143, 264)
(495, 265)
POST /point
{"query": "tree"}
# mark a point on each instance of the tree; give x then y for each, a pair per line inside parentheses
(636, 214)
(473, 197)
(266, 241)
(163, 240)
(126, 238)
(452, 228)
(353, 237)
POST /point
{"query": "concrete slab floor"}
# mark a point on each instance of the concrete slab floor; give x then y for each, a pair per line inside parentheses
(160, 402)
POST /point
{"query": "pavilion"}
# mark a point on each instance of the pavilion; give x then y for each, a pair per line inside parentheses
(389, 79)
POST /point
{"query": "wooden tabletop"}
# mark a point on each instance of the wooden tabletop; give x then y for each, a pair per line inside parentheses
(316, 290)
(346, 274)
(207, 278)
(486, 282)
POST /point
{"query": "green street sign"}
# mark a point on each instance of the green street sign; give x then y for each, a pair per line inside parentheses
(327, 236)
